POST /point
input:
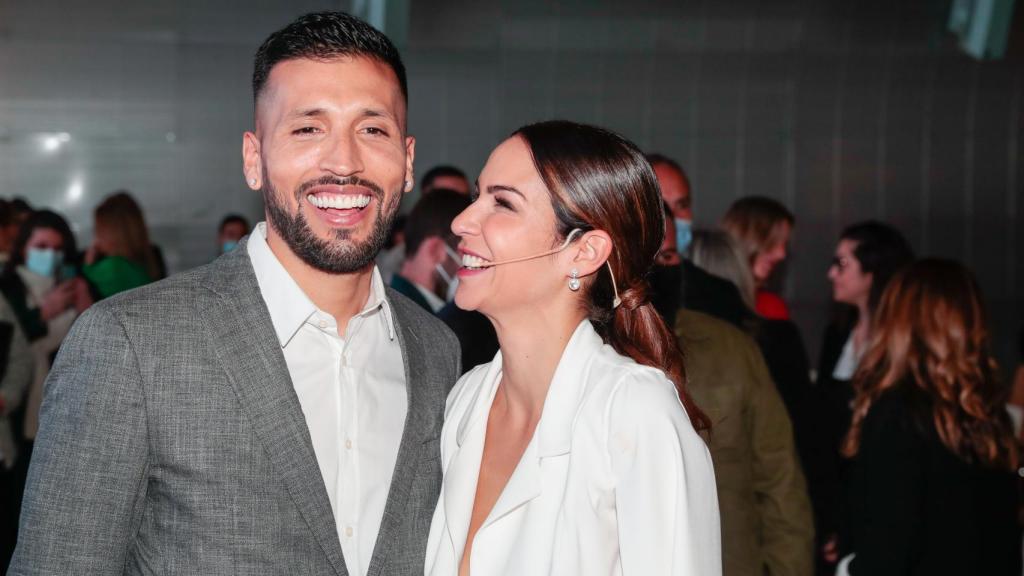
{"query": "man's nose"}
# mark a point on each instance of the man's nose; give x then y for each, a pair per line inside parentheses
(342, 156)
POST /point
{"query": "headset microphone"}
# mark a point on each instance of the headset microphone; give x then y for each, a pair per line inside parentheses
(568, 240)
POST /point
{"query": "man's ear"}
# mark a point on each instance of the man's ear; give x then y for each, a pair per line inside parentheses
(590, 252)
(410, 156)
(252, 161)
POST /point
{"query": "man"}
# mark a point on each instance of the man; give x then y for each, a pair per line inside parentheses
(675, 191)
(445, 177)
(276, 411)
(767, 524)
(428, 270)
(699, 290)
(232, 229)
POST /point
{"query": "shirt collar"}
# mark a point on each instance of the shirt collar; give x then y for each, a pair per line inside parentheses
(288, 305)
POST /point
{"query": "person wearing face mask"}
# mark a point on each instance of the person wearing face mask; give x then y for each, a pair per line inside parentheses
(43, 289)
(428, 272)
(676, 281)
(232, 228)
(767, 524)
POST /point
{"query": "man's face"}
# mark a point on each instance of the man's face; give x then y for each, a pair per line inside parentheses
(674, 191)
(332, 159)
(232, 232)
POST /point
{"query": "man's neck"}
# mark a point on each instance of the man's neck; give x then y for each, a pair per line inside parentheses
(420, 272)
(340, 295)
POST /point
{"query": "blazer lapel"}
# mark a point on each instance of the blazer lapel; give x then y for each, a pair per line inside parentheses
(422, 425)
(462, 473)
(248, 348)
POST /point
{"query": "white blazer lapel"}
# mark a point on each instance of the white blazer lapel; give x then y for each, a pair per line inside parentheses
(463, 470)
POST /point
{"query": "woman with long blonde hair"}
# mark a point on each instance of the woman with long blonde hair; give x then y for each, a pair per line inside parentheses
(932, 486)
(121, 256)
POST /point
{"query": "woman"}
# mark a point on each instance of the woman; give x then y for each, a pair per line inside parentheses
(867, 255)
(571, 452)
(762, 227)
(932, 487)
(121, 256)
(42, 287)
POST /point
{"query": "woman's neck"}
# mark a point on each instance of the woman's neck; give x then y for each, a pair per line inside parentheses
(531, 347)
(862, 330)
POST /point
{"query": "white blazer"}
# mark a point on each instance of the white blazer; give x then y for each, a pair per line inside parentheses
(615, 480)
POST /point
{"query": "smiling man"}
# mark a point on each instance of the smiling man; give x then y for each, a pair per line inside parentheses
(277, 411)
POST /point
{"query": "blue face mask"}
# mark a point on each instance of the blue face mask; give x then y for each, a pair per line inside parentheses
(684, 234)
(228, 246)
(43, 262)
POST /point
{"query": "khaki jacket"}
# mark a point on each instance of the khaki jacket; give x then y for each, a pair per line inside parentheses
(767, 525)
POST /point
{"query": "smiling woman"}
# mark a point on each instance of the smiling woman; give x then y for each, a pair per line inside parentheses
(575, 451)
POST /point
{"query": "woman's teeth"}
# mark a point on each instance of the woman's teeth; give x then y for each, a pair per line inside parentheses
(473, 262)
(343, 202)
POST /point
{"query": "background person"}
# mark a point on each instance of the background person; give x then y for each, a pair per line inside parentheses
(762, 226)
(121, 256)
(933, 486)
(232, 228)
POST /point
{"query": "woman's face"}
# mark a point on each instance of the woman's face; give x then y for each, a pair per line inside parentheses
(44, 239)
(850, 285)
(766, 260)
(510, 217)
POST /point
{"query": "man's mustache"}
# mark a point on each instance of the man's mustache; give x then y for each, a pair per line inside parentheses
(335, 181)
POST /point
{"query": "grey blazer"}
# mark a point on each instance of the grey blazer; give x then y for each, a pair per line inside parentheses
(172, 441)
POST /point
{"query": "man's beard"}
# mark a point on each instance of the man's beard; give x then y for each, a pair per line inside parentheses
(340, 255)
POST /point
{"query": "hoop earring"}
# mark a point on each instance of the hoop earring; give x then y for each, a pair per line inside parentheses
(574, 280)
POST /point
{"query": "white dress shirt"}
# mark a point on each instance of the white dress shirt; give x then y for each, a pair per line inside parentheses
(352, 391)
(615, 480)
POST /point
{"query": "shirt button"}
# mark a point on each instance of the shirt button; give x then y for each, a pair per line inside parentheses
(323, 324)
(348, 531)
(348, 444)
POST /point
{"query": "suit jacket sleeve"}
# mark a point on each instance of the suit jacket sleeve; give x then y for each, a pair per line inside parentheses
(783, 505)
(87, 479)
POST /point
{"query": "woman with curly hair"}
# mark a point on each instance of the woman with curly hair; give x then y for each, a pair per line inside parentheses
(932, 486)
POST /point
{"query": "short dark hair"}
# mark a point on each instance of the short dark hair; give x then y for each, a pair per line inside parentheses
(231, 219)
(654, 158)
(439, 172)
(323, 36)
(432, 216)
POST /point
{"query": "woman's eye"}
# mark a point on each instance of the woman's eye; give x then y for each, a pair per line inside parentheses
(503, 203)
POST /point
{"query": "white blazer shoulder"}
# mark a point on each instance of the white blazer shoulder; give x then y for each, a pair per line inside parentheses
(615, 480)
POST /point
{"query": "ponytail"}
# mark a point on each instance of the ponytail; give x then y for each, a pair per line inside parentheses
(638, 331)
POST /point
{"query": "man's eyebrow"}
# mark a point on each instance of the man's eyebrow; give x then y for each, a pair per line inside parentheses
(307, 113)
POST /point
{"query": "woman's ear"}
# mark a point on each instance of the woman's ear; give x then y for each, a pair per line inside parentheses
(590, 252)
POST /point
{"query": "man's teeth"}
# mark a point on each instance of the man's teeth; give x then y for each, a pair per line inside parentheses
(343, 202)
(469, 261)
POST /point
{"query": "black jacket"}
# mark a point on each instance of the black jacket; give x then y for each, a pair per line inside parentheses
(913, 507)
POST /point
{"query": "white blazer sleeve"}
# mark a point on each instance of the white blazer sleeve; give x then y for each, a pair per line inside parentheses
(666, 501)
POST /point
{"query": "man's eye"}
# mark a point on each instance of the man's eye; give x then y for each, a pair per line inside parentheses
(376, 131)
(305, 130)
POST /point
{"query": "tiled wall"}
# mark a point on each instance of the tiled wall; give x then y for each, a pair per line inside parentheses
(843, 110)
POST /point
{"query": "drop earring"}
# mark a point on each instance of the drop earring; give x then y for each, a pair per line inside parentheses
(574, 280)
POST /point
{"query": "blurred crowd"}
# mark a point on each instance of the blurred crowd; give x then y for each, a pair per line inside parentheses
(812, 460)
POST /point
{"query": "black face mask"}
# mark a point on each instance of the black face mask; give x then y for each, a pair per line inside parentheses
(667, 291)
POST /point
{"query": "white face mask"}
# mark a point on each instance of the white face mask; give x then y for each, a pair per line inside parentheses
(450, 280)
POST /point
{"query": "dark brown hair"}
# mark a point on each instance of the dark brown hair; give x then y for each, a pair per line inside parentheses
(930, 333)
(601, 181)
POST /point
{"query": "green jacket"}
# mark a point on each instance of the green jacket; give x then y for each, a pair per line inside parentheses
(767, 525)
(115, 274)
